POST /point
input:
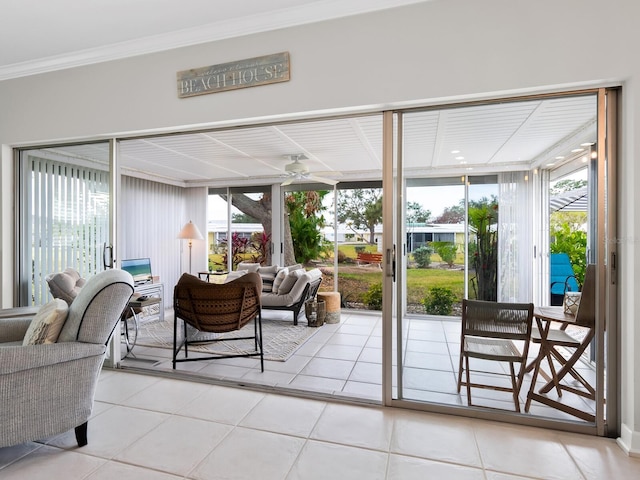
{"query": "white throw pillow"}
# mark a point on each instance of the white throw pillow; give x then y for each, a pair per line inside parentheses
(280, 276)
(47, 324)
(249, 267)
(288, 283)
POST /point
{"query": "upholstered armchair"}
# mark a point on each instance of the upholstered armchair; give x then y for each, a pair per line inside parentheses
(49, 363)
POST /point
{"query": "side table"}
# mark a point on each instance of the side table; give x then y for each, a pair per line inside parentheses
(131, 323)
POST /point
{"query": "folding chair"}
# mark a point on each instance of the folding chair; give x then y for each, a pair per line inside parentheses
(489, 330)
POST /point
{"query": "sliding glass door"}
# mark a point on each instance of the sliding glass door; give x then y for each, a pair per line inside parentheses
(64, 215)
(472, 184)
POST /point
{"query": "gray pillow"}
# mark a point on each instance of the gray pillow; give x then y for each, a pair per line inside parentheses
(289, 281)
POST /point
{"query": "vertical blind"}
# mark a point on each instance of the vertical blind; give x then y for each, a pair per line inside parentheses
(65, 222)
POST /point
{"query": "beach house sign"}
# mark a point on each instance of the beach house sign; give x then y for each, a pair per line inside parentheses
(233, 75)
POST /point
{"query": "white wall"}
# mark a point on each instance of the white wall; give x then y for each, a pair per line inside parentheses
(422, 54)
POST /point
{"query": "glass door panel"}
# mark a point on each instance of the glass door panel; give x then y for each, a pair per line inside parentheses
(64, 214)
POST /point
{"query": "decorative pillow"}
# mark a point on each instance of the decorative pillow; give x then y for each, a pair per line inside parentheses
(268, 275)
(249, 267)
(47, 324)
(235, 274)
(65, 285)
(280, 276)
(290, 280)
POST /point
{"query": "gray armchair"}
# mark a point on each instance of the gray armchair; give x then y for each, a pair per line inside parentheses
(48, 389)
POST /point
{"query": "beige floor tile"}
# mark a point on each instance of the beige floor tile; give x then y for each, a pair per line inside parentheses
(436, 437)
(340, 352)
(524, 451)
(317, 384)
(287, 415)
(369, 391)
(11, 454)
(268, 377)
(328, 368)
(410, 468)
(176, 446)
(599, 458)
(49, 463)
(321, 461)
(115, 389)
(366, 373)
(368, 427)
(248, 453)
(222, 404)
(113, 431)
(166, 395)
(118, 471)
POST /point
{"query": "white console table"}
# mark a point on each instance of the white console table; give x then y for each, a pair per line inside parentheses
(153, 290)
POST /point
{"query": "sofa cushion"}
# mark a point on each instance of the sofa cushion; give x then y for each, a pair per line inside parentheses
(46, 325)
(272, 300)
(268, 275)
(289, 281)
(280, 276)
(248, 266)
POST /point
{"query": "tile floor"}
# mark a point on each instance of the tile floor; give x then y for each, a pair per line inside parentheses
(150, 428)
(345, 360)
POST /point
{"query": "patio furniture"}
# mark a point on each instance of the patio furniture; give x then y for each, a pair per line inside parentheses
(48, 388)
(332, 306)
(489, 330)
(555, 341)
(562, 277)
(212, 308)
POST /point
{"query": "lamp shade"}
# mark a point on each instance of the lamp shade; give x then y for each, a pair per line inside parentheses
(190, 232)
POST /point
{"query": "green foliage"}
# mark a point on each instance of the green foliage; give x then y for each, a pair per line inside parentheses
(574, 243)
(447, 251)
(359, 248)
(306, 222)
(422, 256)
(361, 208)
(415, 213)
(483, 218)
(567, 186)
(373, 297)
(439, 301)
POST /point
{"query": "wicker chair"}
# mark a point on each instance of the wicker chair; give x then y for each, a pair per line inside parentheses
(212, 308)
(489, 330)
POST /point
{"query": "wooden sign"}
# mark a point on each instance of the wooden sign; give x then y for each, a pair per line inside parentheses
(233, 75)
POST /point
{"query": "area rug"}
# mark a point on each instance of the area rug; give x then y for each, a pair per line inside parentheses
(281, 338)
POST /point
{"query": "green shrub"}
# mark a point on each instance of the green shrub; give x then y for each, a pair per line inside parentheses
(447, 251)
(439, 301)
(422, 256)
(373, 297)
(359, 248)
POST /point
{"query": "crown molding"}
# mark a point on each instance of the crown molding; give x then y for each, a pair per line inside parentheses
(274, 20)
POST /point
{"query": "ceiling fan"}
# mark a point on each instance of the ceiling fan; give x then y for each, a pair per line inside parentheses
(298, 170)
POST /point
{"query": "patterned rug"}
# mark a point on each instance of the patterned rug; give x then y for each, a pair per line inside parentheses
(281, 338)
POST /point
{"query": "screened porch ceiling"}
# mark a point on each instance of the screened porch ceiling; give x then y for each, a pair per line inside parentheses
(443, 142)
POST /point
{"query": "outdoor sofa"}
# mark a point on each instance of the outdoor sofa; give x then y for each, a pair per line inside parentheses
(284, 288)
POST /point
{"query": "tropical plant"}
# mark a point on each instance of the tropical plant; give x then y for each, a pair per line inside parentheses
(483, 219)
(306, 221)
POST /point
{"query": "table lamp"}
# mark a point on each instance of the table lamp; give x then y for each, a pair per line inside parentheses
(190, 232)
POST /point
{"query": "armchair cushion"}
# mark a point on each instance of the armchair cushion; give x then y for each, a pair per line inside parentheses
(47, 324)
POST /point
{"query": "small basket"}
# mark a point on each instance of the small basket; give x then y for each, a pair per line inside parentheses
(315, 313)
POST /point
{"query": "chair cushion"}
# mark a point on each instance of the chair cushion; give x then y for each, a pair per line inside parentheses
(280, 276)
(47, 324)
(248, 266)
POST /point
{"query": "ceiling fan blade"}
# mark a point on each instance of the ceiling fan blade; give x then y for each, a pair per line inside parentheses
(288, 181)
(328, 181)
